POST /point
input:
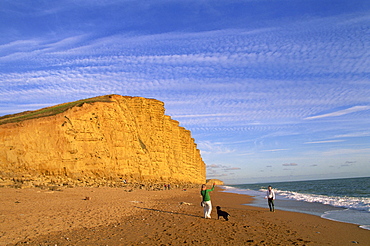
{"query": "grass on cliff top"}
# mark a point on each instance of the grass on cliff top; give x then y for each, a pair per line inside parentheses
(50, 111)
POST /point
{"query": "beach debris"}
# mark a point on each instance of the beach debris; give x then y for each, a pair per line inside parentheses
(87, 198)
(185, 203)
(136, 201)
(355, 242)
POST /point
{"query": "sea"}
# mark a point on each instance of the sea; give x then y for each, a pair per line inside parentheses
(345, 200)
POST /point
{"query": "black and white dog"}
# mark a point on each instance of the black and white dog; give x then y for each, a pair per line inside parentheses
(221, 213)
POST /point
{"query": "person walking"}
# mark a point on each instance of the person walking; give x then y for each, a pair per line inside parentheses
(206, 202)
(270, 195)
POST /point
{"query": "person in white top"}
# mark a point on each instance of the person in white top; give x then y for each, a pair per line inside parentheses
(270, 195)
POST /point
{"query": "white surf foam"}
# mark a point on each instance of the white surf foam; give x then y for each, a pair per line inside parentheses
(361, 204)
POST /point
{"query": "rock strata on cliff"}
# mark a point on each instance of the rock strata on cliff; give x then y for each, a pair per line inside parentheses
(112, 138)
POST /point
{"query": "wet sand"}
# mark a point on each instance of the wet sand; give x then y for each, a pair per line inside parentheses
(111, 216)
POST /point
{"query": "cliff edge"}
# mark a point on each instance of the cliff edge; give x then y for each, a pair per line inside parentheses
(110, 139)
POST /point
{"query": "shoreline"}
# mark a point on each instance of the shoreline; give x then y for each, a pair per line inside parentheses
(326, 211)
(110, 216)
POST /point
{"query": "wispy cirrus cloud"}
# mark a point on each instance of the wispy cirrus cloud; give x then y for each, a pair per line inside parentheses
(244, 82)
(275, 150)
(347, 151)
(208, 147)
(340, 112)
(224, 167)
(353, 135)
(324, 141)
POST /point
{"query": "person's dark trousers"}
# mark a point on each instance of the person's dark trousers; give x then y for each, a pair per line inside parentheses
(271, 204)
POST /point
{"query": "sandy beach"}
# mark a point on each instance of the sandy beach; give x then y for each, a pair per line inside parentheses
(112, 216)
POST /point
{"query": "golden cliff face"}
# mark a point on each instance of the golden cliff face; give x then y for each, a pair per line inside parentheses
(120, 138)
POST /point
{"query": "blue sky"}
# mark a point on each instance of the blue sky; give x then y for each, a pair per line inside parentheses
(273, 90)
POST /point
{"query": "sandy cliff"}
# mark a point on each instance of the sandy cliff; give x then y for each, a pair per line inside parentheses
(214, 181)
(114, 138)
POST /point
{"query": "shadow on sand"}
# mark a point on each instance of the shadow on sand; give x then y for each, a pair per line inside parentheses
(168, 212)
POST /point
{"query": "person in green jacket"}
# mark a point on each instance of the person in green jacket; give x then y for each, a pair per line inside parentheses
(206, 203)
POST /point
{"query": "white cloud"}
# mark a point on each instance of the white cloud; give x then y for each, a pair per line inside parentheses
(353, 135)
(325, 141)
(290, 164)
(207, 147)
(341, 152)
(213, 166)
(217, 170)
(340, 112)
(203, 115)
(232, 168)
(275, 150)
